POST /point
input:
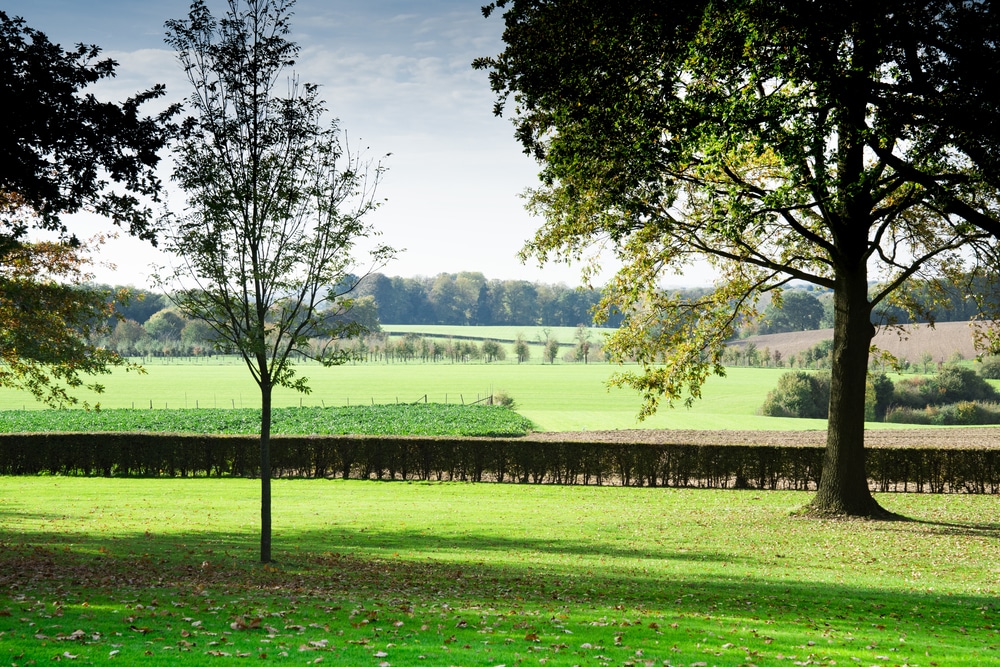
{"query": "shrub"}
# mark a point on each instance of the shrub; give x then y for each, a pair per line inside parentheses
(799, 394)
(964, 413)
(954, 384)
(807, 395)
(990, 368)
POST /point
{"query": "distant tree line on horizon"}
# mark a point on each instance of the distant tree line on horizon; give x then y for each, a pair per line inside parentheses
(149, 325)
(469, 298)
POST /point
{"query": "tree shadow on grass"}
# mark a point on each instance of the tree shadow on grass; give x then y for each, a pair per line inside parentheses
(326, 581)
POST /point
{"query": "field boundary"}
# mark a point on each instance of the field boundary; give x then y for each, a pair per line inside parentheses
(737, 465)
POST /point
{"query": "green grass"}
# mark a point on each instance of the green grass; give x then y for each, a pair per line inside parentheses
(430, 419)
(155, 572)
(563, 397)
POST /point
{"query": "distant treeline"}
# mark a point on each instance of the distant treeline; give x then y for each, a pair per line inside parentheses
(469, 298)
(151, 325)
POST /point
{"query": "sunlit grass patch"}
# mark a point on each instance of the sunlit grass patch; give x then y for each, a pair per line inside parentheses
(461, 574)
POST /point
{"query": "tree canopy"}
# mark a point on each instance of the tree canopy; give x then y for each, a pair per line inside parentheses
(63, 150)
(838, 143)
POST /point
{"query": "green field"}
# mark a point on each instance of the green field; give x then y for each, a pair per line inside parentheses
(560, 397)
(157, 572)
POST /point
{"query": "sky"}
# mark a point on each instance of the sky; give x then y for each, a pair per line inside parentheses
(397, 74)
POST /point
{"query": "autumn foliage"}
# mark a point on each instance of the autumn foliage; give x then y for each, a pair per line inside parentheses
(48, 318)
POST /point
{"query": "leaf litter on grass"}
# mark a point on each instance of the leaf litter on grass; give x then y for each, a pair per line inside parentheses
(472, 574)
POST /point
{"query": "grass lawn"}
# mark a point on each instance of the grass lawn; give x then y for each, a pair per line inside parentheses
(160, 571)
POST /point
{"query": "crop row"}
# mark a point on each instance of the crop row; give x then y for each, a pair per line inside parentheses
(416, 419)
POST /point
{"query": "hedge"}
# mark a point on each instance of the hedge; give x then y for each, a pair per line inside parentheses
(523, 460)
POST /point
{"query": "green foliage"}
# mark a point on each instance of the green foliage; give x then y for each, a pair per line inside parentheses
(405, 419)
(953, 384)
(807, 395)
(796, 310)
(965, 413)
(50, 319)
(799, 394)
(469, 298)
(878, 396)
(990, 368)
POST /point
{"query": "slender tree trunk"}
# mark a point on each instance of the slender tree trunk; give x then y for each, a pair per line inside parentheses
(265, 473)
(843, 487)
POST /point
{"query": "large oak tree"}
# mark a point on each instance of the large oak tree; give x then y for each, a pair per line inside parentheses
(850, 144)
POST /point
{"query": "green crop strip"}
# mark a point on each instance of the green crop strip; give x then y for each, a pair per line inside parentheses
(421, 419)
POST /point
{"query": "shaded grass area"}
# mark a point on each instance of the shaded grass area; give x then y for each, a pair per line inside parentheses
(457, 574)
(421, 419)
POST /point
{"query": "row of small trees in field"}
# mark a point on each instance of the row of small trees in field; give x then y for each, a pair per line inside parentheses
(380, 347)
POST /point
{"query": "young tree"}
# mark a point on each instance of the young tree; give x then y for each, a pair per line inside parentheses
(831, 142)
(276, 204)
(522, 349)
(551, 350)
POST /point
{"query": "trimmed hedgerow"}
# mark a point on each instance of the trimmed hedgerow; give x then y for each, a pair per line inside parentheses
(919, 469)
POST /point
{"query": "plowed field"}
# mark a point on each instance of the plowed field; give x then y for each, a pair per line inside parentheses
(957, 437)
(910, 342)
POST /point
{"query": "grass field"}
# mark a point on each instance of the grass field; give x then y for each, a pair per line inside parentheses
(560, 397)
(156, 572)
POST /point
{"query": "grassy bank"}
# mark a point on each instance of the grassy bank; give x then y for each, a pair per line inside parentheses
(158, 571)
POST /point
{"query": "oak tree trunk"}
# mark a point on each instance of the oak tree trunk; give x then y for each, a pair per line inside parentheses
(843, 487)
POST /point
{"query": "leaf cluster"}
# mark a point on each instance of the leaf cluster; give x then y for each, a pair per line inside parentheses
(49, 319)
(63, 149)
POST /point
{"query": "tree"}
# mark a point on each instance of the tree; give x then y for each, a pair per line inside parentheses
(582, 350)
(836, 143)
(165, 325)
(795, 310)
(64, 151)
(551, 350)
(522, 349)
(275, 204)
(48, 318)
(126, 336)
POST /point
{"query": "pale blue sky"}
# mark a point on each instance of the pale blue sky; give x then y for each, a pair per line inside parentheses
(398, 75)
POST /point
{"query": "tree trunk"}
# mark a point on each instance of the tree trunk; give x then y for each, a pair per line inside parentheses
(265, 474)
(843, 487)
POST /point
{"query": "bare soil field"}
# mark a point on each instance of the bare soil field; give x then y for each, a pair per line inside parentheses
(946, 437)
(908, 342)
